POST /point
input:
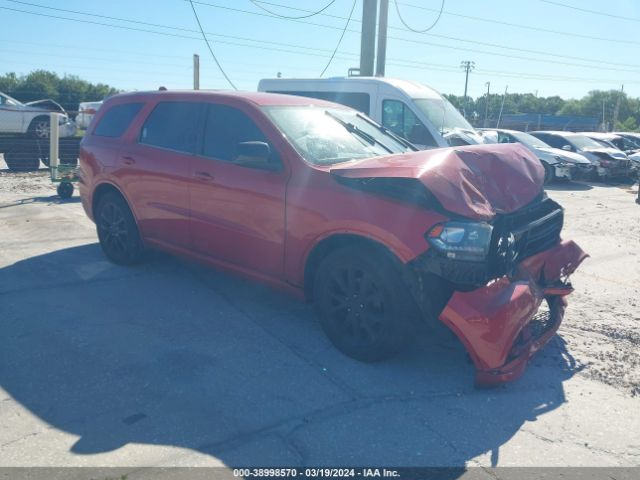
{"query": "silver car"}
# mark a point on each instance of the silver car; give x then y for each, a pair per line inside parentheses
(558, 164)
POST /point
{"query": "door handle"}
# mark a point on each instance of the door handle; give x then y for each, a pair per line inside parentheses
(205, 176)
(127, 160)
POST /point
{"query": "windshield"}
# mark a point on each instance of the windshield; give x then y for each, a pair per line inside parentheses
(442, 114)
(529, 140)
(583, 142)
(324, 136)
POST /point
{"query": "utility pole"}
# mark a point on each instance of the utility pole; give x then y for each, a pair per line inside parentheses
(382, 38)
(502, 107)
(616, 111)
(368, 37)
(467, 66)
(196, 71)
(486, 106)
(604, 125)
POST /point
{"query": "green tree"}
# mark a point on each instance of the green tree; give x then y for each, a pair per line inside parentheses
(68, 90)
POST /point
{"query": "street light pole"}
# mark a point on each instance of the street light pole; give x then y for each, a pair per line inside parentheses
(382, 38)
(368, 37)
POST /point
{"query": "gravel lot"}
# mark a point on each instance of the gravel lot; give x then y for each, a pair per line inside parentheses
(172, 364)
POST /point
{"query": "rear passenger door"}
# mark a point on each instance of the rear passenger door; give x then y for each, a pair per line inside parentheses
(237, 210)
(156, 171)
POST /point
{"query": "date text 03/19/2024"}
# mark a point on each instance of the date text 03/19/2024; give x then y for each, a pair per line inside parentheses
(315, 472)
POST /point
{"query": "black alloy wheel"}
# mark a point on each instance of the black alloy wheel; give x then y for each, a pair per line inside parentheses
(364, 305)
(117, 230)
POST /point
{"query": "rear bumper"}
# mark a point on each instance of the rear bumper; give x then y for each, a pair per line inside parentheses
(497, 323)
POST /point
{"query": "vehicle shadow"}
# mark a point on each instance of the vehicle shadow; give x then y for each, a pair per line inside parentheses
(51, 200)
(173, 354)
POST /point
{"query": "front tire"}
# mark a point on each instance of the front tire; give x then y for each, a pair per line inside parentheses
(364, 306)
(117, 231)
(40, 128)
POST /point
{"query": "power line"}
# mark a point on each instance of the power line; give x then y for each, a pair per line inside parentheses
(312, 14)
(340, 39)
(469, 17)
(536, 52)
(523, 26)
(594, 12)
(435, 22)
(294, 46)
(420, 42)
(206, 40)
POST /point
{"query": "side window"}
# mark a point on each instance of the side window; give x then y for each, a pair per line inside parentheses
(505, 138)
(555, 142)
(399, 118)
(117, 119)
(174, 126)
(226, 127)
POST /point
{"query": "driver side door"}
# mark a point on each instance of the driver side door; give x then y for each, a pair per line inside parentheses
(237, 210)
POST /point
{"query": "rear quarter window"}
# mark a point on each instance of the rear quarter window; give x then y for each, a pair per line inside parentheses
(117, 119)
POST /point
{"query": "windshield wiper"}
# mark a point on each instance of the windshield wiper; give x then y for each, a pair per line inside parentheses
(388, 132)
(351, 128)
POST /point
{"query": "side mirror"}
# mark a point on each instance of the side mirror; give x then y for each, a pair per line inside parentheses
(567, 148)
(255, 155)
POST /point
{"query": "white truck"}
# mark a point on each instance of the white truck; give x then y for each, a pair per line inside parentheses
(409, 109)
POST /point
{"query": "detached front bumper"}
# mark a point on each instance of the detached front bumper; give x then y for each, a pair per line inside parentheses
(497, 323)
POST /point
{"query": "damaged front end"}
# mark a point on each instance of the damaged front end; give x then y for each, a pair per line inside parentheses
(497, 258)
(494, 301)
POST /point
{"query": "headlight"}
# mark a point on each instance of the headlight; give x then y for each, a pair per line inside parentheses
(461, 240)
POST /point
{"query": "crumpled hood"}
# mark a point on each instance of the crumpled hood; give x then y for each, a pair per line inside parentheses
(47, 105)
(476, 181)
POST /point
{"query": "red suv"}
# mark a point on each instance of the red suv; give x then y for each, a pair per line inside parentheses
(319, 200)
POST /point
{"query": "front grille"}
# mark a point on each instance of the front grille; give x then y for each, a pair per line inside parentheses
(526, 232)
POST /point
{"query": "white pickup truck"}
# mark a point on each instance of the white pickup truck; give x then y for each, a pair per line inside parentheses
(32, 119)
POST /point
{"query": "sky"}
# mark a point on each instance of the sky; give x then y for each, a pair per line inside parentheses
(544, 47)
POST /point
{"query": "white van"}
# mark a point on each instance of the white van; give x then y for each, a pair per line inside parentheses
(412, 110)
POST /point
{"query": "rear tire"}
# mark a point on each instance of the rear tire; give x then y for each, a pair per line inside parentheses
(23, 157)
(364, 306)
(117, 230)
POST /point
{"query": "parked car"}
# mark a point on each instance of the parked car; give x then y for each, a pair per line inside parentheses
(609, 162)
(412, 110)
(32, 118)
(317, 199)
(558, 164)
(626, 143)
(86, 112)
